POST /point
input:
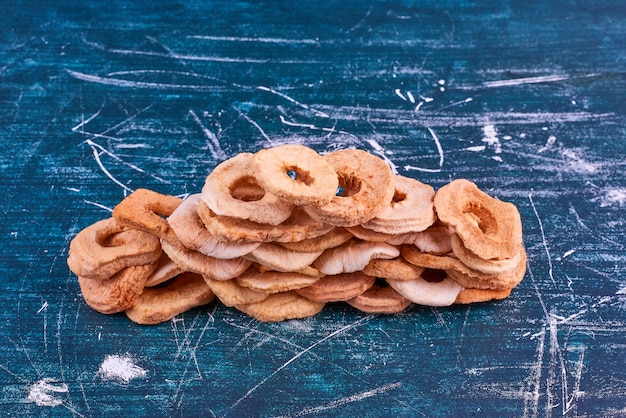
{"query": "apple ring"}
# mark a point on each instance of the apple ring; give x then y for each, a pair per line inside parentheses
(144, 209)
(484, 266)
(462, 274)
(191, 231)
(365, 189)
(467, 296)
(161, 304)
(353, 256)
(395, 269)
(119, 292)
(488, 227)
(216, 268)
(411, 208)
(298, 227)
(106, 247)
(434, 240)
(380, 300)
(295, 173)
(274, 281)
(281, 306)
(338, 287)
(332, 239)
(279, 258)
(230, 293)
(218, 188)
(426, 293)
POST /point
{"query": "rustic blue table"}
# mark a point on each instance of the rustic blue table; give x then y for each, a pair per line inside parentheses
(527, 99)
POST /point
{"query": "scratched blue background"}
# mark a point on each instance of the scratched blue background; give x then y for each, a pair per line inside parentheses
(527, 99)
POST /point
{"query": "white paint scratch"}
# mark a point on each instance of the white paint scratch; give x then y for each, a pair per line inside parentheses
(551, 140)
(214, 144)
(477, 148)
(256, 125)
(89, 119)
(344, 401)
(260, 39)
(543, 237)
(399, 94)
(99, 205)
(120, 368)
(120, 82)
(439, 151)
(191, 57)
(99, 150)
(380, 151)
(315, 128)
(566, 254)
(300, 354)
(44, 306)
(531, 408)
(294, 101)
(531, 80)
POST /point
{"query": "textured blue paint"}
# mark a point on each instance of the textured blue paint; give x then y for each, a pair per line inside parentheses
(98, 98)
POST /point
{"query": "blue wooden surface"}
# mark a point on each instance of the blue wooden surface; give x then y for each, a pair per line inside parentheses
(527, 100)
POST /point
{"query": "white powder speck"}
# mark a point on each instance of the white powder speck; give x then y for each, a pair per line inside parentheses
(120, 368)
(43, 392)
(577, 163)
(490, 136)
(614, 196)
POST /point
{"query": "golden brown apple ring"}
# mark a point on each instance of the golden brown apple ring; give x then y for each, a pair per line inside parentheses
(332, 239)
(462, 274)
(488, 227)
(298, 227)
(230, 293)
(274, 281)
(146, 210)
(467, 296)
(281, 306)
(479, 264)
(434, 239)
(106, 247)
(295, 173)
(366, 182)
(395, 269)
(156, 305)
(338, 288)
(216, 268)
(380, 300)
(119, 292)
(218, 188)
(411, 208)
(191, 231)
(473, 279)
(371, 235)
